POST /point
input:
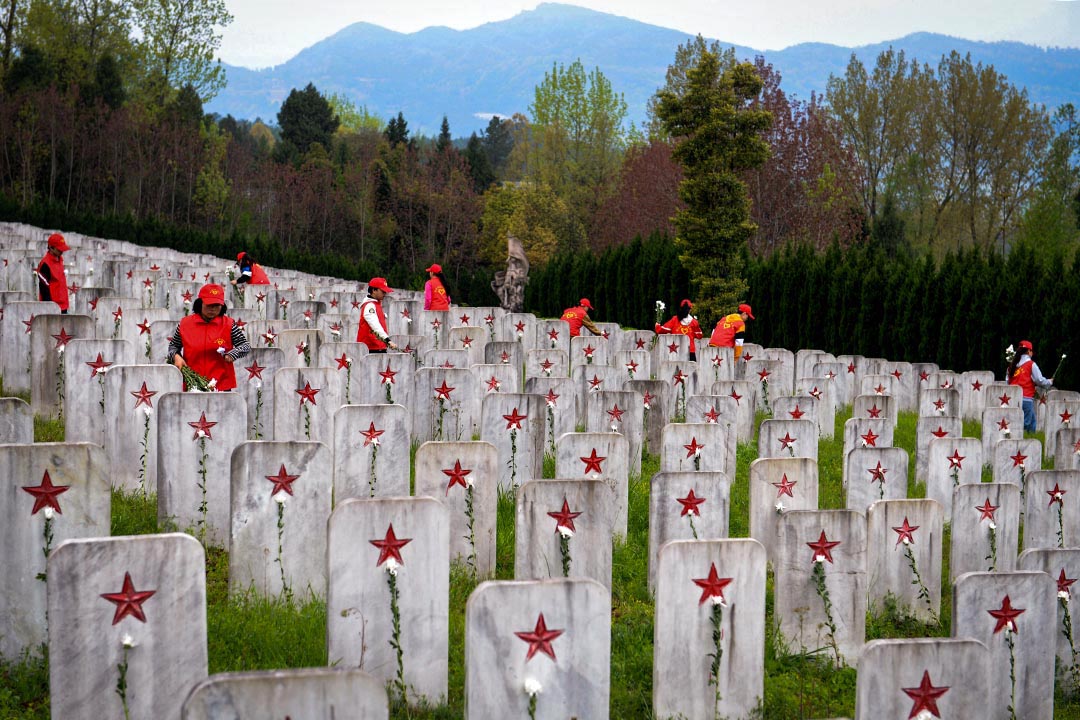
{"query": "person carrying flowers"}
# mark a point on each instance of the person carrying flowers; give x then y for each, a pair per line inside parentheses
(1024, 372)
(207, 342)
(682, 323)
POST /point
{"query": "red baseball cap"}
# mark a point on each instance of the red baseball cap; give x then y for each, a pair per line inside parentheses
(746, 309)
(212, 294)
(687, 303)
(378, 283)
(1026, 344)
(435, 268)
(240, 255)
(56, 241)
(584, 302)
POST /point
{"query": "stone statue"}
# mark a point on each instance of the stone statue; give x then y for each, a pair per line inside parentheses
(509, 284)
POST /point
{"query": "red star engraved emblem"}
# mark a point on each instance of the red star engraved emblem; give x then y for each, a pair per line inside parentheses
(1003, 424)
(1065, 416)
(787, 441)
(355, 303)
(282, 481)
(595, 383)
(436, 324)
(513, 420)
(1064, 583)
(98, 366)
(62, 339)
(736, 396)
(605, 334)
(466, 342)
(187, 296)
(925, 696)
(615, 414)
(539, 639)
(130, 273)
(1006, 616)
(335, 328)
(550, 398)
(92, 302)
(593, 462)
(1056, 495)
(492, 384)
(880, 389)
(457, 476)
(711, 415)
(464, 319)
(897, 374)
(976, 386)
(118, 314)
(679, 378)
(343, 362)
(45, 494)
(1004, 400)
(823, 547)
(870, 439)
(334, 302)
(874, 412)
(673, 347)
(631, 367)
(1018, 459)
(144, 327)
(405, 313)
(202, 425)
(816, 393)
(307, 394)
(690, 504)
(129, 601)
(785, 486)
(956, 460)
(489, 319)
(747, 357)
(693, 448)
(443, 391)
(142, 396)
(717, 361)
(148, 283)
(519, 326)
(387, 375)
(851, 368)
(763, 374)
(564, 518)
(553, 334)
(939, 404)
(906, 532)
(371, 435)
(940, 432)
(923, 376)
(255, 370)
(877, 474)
(647, 399)
(796, 414)
(588, 350)
(504, 357)
(712, 586)
(546, 365)
(986, 510)
(73, 288)
(390, 547)
(639, 344)
(307, 315)
(301, 348)
(27, 323)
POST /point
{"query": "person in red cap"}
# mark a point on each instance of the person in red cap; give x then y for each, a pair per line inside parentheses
(1024, 372)
(683, 323)
(208, 341)
(578, 316)
(52, 280)
(373, 332)
(251, 272)
(730, 330)
(436, 296)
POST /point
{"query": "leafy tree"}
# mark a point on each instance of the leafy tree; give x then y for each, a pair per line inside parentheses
(76, 34)
(1051, 223)
(719, 136)
(532, 213)
(211, 185)
(687, 56)
(397, 131)
(179, 40)
(444, 141)
(31, 70)
(10, 20)
(353, 118)
(186, 108)
(108, 84)
(306, 118)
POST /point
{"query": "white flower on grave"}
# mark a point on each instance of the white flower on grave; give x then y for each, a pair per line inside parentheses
(647, 406)
(551, 404)
(779, 507)
(941, 410)
(819, 559)
(906, 540)
(221, 351)
(375, 441)
(993, 525)
(281, 497)
(128, 641)
(1010, 627)
(864, 443)
(48, 512)
(660, 306)
(718, 600)
(924, 715)
(348, 361)
(148, 410)
(391, 566)
(532, 687)
(256, 383)
(303, 346)
(212, 384)
(60, 350)
(1056, 497)
(200, 434)
(697, 452)
(311, 296)
(614, 427)
(1006, 432)
(565, 531)
(1064, 595)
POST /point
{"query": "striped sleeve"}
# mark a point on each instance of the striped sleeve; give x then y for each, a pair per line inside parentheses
(240, 344)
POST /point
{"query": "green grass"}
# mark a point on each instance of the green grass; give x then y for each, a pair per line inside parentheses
(250, 632)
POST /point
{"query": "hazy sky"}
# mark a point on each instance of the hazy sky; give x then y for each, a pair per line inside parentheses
(268, 32)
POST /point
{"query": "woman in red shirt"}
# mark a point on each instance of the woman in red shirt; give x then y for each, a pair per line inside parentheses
(683, 324)
(436, 296)
(208, 341)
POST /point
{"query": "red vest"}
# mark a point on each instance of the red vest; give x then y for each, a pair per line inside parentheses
(674, 326)
(365, 334)
(201, 341)
(439, 299)
(1022, 377)
(258, 275)
(58, 291)
(724, 333)
(573, 317)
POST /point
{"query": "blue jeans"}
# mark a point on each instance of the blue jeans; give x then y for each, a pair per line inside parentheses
(1029, 414)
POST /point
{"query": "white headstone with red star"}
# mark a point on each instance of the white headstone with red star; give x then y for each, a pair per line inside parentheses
(1067, 443)
(636, 364)
(783, 380)
(598, 456)
(744, 393)
(552, 335)
(654, 411)
(718, 409)
(904, 555)
(872, 405)
(130, 612)
(671, 348)
(254, 381)
(542, 643)
(866, 432)
(518, 328)
(763, 372)
(546, 363)
(589, 379)
(298, 693)
(388, 565)
(470, 339)
(715, 364)
(387, 378)
(337, 327)
(300, 345)
(805, 360)
(57, 491)
(974, 388)
(687, 447)
(463, 476)
(849, 378)
(778, 485)
(371, 451)
(617, 411)
(49, 337)
(446, 358)
(939, 402)
(796, 407)
(590, 350)
(679, 384)
(1063, 567)
(1052, 509)
(905, 384)
(446, 404)
(560, 407)
(686, 506)
(1003, 395)
(15, 326)
(821, 390)
(505, 352)
(951, 461)
(1060, 415)
(1000, 424)
(516, 424)
(709, 637)
(130, 426)
(928, 428)
(115, 318)
(788, 438)
(281, 495)
(305, 401)
(1015, 615)
(1014, 459)
(86, 365)
(873, 474)
(985, 523)
(434, 324)
(496, 377)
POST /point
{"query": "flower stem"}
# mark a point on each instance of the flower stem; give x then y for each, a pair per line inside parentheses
(372, 480)
(47, 535)
(121, 684)
(717, 654)
(395, 640)
(513, 460)
(826, 602)
(692, 528)
(257, 424)
(992, 557)
(286, 591)
(470, 524)
(564, 550)
(144, 458)
(1012, 673)
(924, 592)
(202, 488)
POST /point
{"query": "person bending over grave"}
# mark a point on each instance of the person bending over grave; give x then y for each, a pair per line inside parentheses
(207, 342)
(730, 330)
(578, 317)
(1024, 372)
(436, 296)
(52, 280)
(251, 272)
(682, 323)
(373, 332)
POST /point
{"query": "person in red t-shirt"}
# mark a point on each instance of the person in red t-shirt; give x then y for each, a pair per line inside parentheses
(52, 280)
(1025, 373)
(436, 296)
(683, 323)
(578, 317)
(729, 332)
(208, 341)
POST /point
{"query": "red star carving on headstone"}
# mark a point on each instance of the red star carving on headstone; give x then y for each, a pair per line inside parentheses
(457, 476)
(142, 396)
(405, 313)
(851, 368)
(492, 384)
(546, 365)
(736, 396)
(489, 319)
(925, 696)
(443, 391)
(513, 420)
(187, 296)
(551, 397)
(1004, 400)
(98, 366)
(45, 494)
(1003, 424)
(371, 435)
(787, 441)
(606, 334)
(593, 462)
(118, 314)
(307, 394)
(870, 439)
(639, 344)
(504, 357)
(906, 532)
(1056, 495)
(343, 362)
(148, 283)
(28, 323)
(880, 390)
(436, 324)
(539, 639)
(73, 288)
(877, 474)
(1066, 417)
(923, 376)
(334, 302)
(130, 273)
(553, 334)
(747, 357)
(466, 342)
(301, 347)
(763, 374)
(711, 415)
(940, 432)
(595, 383)
(1006, 616)
(62, 339)
(716, 361)
(387, 375)
(144, 327)
(282, 481)
(308, 315)
(874, 413)
(588, 350)
(956, 460)
(255, 370)
(1018, 459)
(92, 303)
(615, 414)
(939, 404)
(897, 374)
(986, 510)
(647, 399)
(823, 547)
(202, 425)
(464, 319)
(679, 378)
(564, 518)
(976, 386)
(129, 601)
(519, 326)
(690, 504)
(390, 547)
(785, 486)
(1064, 583)
(796, 414)
(712, 586)
(673, 347)
(815, 393)
(632, 366)
(335, 328)
(693, 448)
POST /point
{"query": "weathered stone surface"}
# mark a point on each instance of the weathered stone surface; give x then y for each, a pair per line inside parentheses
(715, 364)
(598, 456)
(15, 324)
(86, 365)
(654, 412)
(16, 421)
(999, 424)
(952, 462)
(547, 364)
(904, 555)
(973, 391)
(778, 485)
(876, 405)
(496, 378)
(821, 390)
(939, 402)
(790, 438)
(985, 528)
(305, 401)
(515, 425)
(617, 412)
(1059, 414)
(928, 428)
(696, 447)
(1052, 509)
(560, 411)
(130, 427)
(1063, 567)
(686, 506)
(371, 451)
(301, 346)
(875, 474)
(386, 378)
(49, 337)
(745, 396)
(446, 404)
(1014, 459)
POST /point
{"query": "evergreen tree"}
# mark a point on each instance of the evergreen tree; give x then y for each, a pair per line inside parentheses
(397, 131)
(479, 166)
(498, 142)
(306, 118)
(444, 141)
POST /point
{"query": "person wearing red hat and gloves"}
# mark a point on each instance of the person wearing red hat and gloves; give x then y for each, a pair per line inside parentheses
(578, 316)
(730, 330)
(373, 332)
(208, 341)
(1024, 372)
(436, 296)
(683, 323)
(251, 272)
(52, 280)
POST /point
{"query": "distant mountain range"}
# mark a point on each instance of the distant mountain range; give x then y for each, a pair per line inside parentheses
(470, 75)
